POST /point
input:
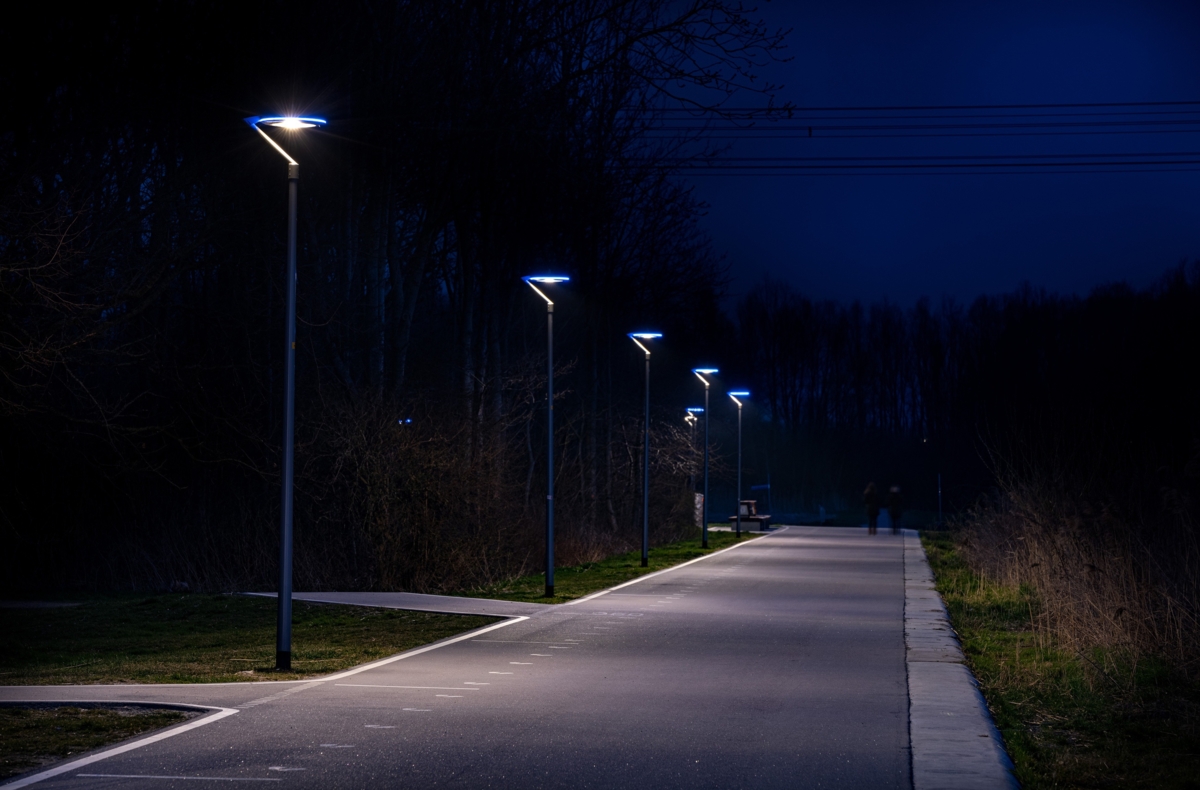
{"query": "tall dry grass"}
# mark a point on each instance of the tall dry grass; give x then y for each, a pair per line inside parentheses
(1116, 589)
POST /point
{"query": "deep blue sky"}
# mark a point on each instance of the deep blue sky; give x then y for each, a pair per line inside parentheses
(900, 237)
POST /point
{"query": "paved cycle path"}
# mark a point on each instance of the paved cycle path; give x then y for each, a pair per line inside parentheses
(779, 663)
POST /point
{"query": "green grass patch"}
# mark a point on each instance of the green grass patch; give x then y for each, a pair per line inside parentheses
(1067, 721)
(197, 638)
(34, 737)
(580, 580)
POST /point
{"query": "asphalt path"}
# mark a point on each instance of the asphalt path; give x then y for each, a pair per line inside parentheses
(779, 663)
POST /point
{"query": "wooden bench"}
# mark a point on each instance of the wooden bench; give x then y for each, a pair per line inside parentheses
(750, 515)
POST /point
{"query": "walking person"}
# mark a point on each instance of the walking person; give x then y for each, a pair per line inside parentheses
(871, 502)
(895, 506)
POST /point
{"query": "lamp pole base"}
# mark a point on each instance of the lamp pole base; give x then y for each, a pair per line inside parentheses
(283, 660)
(549, 591)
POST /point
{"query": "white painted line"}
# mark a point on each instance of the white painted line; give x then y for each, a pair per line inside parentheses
(672, 568)
(418, 710)
(383, 726)
(426, 649)
(522, 663)
(451, 696)
(475, 683)
(192, 778)
(499, 673)
(337, 746)
(555, 647)
(543, 655)
(522, 641)
(431, 688)
(67, 767)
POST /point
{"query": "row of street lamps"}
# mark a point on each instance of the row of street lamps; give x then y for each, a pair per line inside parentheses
(283, 641)
(640, 339)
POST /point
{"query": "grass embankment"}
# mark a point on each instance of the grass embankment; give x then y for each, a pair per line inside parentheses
(34, 737)
(1067, 722)
(202, 639)
(580, 580)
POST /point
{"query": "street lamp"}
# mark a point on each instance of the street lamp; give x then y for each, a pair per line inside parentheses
(283, 625)
(637, 337)
(734, 397)
(549, 279)
(700, 374)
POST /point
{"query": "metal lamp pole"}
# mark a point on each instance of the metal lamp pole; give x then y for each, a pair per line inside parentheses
(636, 337)
(700, 374)
(548, 279)
(283, 624)
(734, 397)
(691, 419)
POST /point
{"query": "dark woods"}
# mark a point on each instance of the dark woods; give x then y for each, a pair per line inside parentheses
(472, 143)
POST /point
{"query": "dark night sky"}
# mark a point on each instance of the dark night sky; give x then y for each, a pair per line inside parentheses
(903, 236)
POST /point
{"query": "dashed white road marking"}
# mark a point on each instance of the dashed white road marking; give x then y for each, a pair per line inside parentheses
(522, 663)
(499, 673)
(194, 778)
(451, 696)
(543, 655)
(428, 688)
(475, 683)
(418, 710)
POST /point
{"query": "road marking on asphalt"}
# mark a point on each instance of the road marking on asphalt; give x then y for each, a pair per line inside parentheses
(418, 710)
(281, 768)
(57, 770)
(499, 673)
(451, 696)
(543, 655)
(337, 746)
(418, 651)
(383, 726)
(522, 663)
(555, 647)
(193, 778)
(525, 641)
(475, 683)
(373, 686)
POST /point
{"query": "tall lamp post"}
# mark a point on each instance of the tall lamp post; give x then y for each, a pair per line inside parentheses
(700, 374)
(691, 419)
(549, 279)
(283, 625)
(734, 397)
(637, 337)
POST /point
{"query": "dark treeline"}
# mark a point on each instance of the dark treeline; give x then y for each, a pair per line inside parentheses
(1100, 383)
(141, 262)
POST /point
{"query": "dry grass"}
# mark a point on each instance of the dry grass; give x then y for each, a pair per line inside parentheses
(1070, 718)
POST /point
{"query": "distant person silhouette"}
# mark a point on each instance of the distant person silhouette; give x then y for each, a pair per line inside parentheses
(895, 506)
(871, 502)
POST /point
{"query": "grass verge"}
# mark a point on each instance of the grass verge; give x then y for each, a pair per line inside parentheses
(34, 737)
(580, 580)
(202, 639)
(1067, 721)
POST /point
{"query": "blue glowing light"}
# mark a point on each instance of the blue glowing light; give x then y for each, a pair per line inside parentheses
(405, 421)
(695, 410)
(645, 335)
(740, 394)
(704, 371)
(547, 278)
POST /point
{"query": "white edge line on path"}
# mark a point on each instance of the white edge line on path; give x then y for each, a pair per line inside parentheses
(673, 568)
(418, 651)
(58, 770)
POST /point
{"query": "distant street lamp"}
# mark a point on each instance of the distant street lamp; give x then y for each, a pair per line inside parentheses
(283, 626)
(734, 397)
(637, 337)
(549, 279)
(700, 374)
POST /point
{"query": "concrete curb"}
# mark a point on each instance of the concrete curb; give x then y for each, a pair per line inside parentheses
(955, 743)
